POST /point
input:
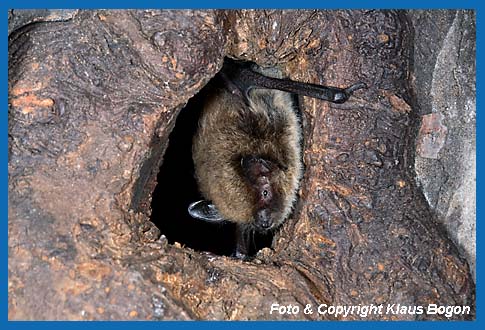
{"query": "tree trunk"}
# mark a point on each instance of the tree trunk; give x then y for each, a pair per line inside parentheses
(93, 97)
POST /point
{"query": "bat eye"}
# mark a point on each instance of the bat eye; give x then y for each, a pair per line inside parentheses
(265, 194)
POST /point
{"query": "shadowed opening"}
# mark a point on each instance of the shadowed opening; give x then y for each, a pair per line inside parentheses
(177, 188)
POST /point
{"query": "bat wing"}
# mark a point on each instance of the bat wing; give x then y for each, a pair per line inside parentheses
(241, 78)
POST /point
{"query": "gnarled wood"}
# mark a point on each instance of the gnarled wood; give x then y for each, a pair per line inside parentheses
(91, 103)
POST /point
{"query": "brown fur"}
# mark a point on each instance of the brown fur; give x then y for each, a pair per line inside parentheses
(229, 130)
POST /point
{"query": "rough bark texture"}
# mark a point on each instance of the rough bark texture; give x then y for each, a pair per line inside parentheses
(92, 100)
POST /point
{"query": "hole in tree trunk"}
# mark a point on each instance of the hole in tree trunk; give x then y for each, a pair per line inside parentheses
(177, 188)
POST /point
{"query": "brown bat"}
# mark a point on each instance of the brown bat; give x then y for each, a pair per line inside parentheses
(247, 151)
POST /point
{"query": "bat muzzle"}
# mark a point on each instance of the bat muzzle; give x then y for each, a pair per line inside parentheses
(262, 220)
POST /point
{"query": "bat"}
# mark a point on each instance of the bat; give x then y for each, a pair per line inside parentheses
(247, 150)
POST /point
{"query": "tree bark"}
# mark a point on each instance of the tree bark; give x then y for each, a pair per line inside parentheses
(92, 100)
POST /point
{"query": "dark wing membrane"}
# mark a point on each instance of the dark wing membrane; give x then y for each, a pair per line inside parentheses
(240, 78)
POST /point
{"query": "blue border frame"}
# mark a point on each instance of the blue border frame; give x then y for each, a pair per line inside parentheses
(357, 4)
(427, 4)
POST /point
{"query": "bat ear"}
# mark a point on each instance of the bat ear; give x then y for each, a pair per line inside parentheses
(204, 210)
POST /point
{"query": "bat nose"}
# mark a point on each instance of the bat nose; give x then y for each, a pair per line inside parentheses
(263, 219)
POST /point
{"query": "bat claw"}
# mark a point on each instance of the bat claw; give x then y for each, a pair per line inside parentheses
(354, 87)
(343, 95)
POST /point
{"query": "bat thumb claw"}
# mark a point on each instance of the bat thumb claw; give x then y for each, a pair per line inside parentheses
(354, 87)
